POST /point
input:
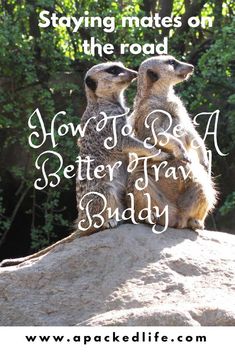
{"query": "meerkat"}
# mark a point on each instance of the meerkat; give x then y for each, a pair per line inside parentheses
(104, 85)
(189, 199)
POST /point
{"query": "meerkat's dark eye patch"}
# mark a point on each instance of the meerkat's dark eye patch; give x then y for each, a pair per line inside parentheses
(172, 62)
(91, 83)
(153, 76)
(114, 70)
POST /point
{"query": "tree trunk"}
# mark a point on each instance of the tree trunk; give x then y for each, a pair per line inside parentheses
(193, 10)
(166, 10)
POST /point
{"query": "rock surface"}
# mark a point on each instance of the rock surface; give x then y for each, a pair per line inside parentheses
(127, 276)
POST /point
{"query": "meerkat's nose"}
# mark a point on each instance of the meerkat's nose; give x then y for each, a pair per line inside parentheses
(186, 69)
(133, 74)
(191, 67)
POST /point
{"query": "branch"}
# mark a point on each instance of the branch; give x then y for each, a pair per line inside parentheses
(193, 10)
(187, 4)
(201, 48)
(149, 6)
(217, 12)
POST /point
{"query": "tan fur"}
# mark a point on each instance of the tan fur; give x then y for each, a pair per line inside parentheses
(189, 201)
(107, 97)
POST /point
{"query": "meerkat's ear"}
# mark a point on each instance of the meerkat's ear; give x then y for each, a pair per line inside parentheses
(91, 83)
(153, 76)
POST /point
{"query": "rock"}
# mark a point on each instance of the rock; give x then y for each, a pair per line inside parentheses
(126, 276)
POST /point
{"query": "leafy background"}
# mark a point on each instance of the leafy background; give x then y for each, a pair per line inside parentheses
(44, 68)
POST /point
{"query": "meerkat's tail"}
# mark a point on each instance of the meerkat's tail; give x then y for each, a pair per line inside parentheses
(18, 261)
(76, 234)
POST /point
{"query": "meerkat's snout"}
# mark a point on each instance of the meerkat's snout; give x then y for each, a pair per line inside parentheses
(133, 74)
(185, 70)
(128, 75)
(180, 69)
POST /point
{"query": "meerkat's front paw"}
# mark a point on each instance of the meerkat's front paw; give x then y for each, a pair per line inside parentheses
(158, 155)
(154, 218)
(153, 151)
(110, 223)
(163, 156)
(203, 159)
(186, 158)
(205, 163)
(181, 153)
(194, 224)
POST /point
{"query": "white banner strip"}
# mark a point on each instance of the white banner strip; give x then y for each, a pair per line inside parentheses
(90, 339)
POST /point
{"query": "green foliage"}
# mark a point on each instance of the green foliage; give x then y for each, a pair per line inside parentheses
(229, 204)
(4, 220)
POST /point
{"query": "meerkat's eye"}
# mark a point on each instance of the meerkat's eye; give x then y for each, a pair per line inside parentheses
(172, 62)
(114, 70)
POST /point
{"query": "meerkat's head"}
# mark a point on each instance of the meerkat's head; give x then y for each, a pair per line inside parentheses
(108, 80)
(162, 72)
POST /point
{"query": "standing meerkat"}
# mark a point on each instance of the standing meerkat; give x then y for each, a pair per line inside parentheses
(157, 113)
(104, 85)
